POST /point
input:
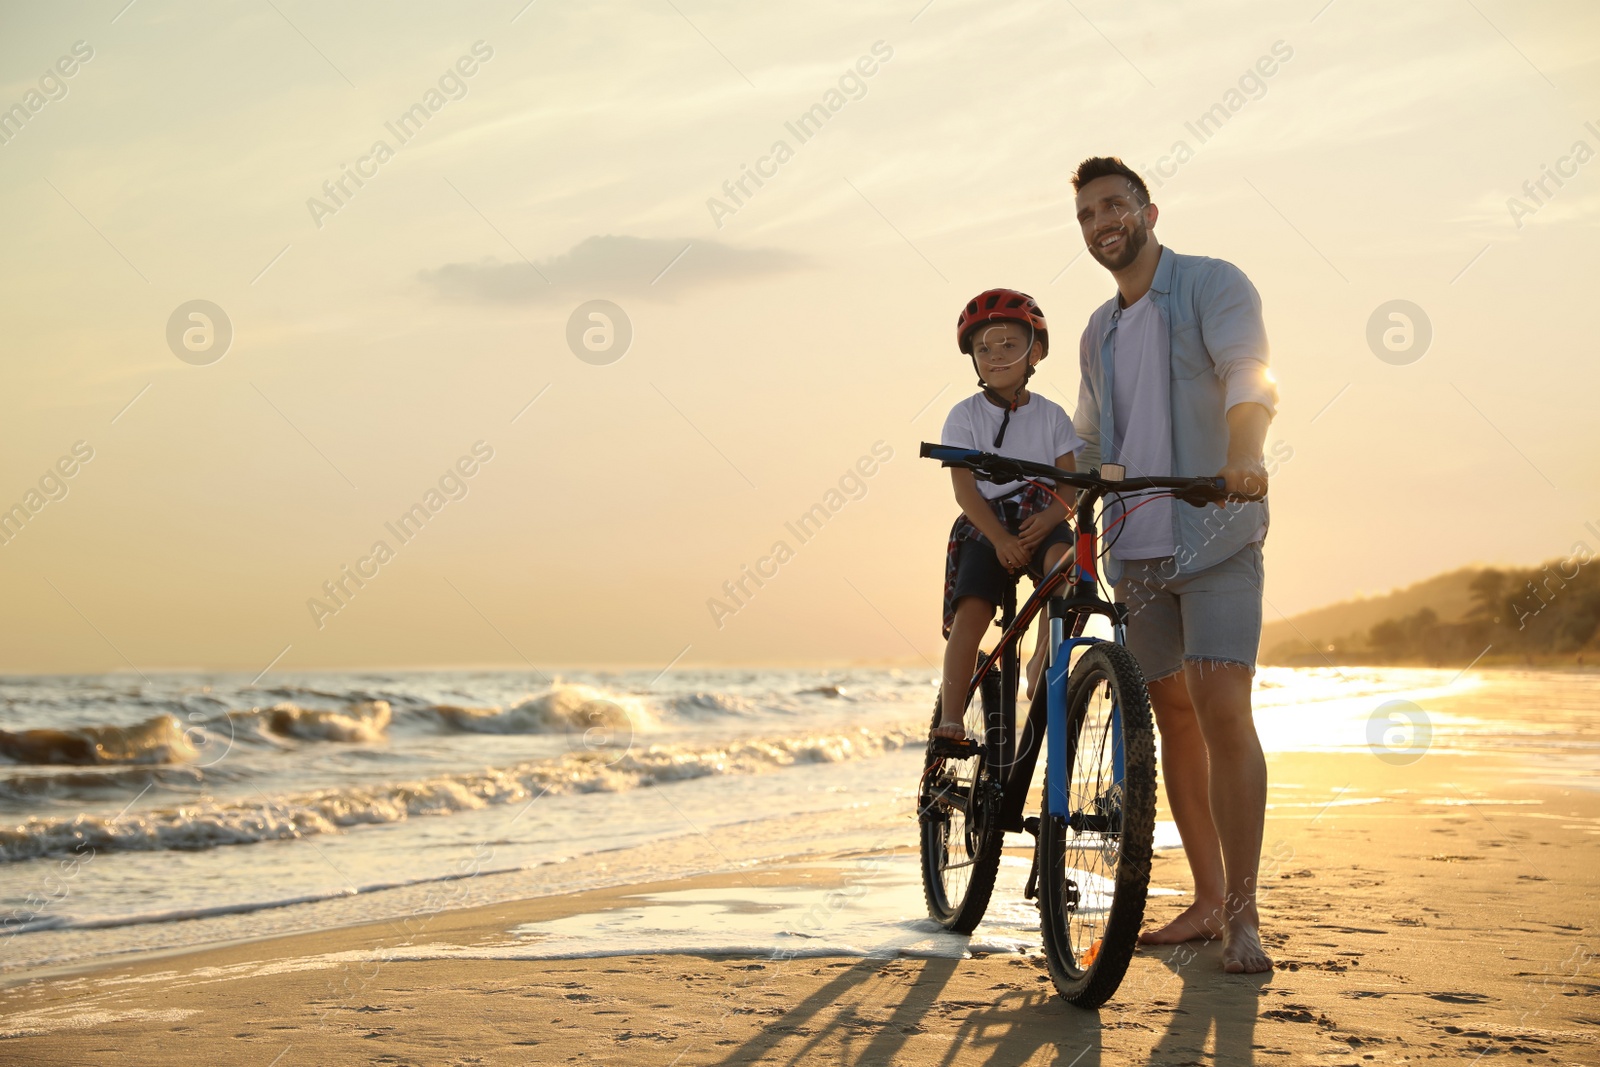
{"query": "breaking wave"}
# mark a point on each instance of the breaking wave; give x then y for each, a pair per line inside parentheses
(564, 709)
(363, 722)
(158, 740)
(211, 824)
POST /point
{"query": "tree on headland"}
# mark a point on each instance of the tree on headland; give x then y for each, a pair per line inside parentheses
(1412, 635)
(1487, 595)
(1513, 614)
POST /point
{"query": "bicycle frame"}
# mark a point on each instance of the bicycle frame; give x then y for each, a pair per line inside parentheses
(1066, 616)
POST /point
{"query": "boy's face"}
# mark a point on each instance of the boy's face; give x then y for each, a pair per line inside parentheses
(1004, 354)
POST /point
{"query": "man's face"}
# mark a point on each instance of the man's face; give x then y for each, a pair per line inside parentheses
(1115, 223)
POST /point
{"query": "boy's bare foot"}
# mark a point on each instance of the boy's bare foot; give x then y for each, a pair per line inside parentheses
(1200, 921)
(954, 731)
(1241, 948)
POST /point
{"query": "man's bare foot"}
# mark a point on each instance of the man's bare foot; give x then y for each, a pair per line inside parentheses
(954, 731)
(1241, 949)
(1200, 921)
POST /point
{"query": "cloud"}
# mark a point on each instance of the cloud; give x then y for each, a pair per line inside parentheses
(609, 265)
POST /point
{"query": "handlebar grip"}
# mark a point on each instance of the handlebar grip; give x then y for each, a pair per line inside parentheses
(1247, 498)
(1213, 491)
(1222, 483)
(949, 453)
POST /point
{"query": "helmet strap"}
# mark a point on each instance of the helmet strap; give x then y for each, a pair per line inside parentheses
(1009, 404)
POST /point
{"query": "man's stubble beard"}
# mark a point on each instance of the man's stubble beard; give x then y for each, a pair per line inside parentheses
(1138, 237)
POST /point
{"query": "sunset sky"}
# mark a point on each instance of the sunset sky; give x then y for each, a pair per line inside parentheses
(381, 331)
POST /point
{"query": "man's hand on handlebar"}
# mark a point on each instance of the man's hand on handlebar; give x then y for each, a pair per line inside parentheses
(1248, 477)
(1247, 432)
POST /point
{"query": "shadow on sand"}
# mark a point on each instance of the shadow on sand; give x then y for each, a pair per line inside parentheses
(850, 1021)
(1214, 1008)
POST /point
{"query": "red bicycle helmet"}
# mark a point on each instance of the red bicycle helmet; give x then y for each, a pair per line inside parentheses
(1001, 305)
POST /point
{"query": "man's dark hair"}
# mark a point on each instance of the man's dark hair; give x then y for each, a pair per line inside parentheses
(1106, 166)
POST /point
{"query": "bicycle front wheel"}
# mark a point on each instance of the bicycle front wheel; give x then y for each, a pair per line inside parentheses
(1094, 858)
(958, 807)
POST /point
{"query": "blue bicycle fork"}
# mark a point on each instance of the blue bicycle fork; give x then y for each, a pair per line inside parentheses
(1056, 723)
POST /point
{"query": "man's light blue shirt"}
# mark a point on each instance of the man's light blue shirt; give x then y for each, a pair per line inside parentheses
(1218, 359)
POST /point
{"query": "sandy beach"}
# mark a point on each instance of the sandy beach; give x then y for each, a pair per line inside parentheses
(1439, 909)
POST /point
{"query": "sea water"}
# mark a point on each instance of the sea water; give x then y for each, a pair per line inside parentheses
(166, 812)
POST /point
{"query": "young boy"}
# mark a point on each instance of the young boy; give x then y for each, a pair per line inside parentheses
(1002, 528)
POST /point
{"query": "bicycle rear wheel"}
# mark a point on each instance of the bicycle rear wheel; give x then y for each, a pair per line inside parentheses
(958, 808)
(1094, 858)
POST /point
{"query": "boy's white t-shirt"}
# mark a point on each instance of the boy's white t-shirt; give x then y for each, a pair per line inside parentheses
(1040, 431)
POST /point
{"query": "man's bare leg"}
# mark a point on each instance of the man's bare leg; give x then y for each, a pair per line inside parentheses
(1238, 796)
(973, 616)
(1185, 769)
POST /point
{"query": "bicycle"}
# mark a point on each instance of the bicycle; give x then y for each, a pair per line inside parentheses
(1094, 834)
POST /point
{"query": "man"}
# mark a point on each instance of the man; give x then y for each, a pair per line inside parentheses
(1175, 383)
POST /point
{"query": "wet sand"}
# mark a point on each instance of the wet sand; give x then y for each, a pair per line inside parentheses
(1443, 909)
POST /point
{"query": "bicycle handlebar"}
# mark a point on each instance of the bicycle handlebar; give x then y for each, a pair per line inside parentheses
(991, 467)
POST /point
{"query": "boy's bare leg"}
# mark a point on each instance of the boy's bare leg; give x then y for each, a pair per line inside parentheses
(1185, 770)
(1052, 556)
(1036, 661)
(973, 617)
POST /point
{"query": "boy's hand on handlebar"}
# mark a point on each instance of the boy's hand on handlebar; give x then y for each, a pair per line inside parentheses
(1012, 554)
(1249, 477)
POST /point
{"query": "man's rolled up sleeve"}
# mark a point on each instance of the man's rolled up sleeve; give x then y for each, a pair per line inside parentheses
(1236, 336)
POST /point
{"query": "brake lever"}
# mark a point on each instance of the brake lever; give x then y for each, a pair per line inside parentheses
(1202, 493)
(1198, 496)
(1213, 492)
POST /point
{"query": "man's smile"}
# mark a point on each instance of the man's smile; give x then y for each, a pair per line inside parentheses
(1114, 239)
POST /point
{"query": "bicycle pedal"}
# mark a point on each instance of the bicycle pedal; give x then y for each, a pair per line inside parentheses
(952, 748)
(1031, 825)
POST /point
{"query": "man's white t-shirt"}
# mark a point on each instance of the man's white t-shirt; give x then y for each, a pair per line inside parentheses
(1040, 431)
(1141, 404)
